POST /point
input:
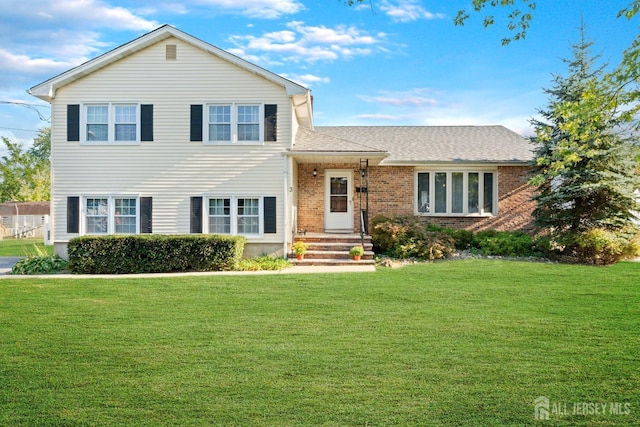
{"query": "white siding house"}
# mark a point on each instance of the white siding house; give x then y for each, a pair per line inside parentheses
(168, 134)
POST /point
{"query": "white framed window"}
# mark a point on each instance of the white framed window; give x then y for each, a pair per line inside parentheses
(97, 215)
(111, 122)
(220, 215)
(248, 210)
(456, 192)
(232, 123)
(235, 215)
(111, 215)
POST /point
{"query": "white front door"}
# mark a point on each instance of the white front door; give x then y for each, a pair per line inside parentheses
(338, 201)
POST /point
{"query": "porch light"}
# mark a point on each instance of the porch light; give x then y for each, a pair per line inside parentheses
(315, 172)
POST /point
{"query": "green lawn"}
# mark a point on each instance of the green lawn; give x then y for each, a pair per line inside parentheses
(23, 247)
(465, 343)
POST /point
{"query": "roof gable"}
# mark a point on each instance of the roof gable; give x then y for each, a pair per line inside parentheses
(47, 89)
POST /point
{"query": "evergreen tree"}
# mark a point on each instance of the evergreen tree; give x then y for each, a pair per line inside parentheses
(584, 167)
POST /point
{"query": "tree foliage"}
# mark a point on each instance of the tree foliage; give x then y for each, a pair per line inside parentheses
(585, 166)
(26, 173)
(521, 15)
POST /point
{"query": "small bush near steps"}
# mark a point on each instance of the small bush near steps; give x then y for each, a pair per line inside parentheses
(264, 262)
(406, 237)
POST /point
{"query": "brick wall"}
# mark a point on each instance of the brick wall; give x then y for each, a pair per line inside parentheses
(391, 193)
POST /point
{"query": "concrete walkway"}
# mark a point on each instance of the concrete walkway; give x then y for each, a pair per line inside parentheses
(7, 262)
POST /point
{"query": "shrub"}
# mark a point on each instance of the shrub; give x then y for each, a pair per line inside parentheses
(464, 239)
(504, 243)
(406, 237)
(43, 264)
(153, 253)
(598, 246)
(264, 262)
(384, 233)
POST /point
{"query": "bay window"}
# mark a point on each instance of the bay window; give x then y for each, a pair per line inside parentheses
(455, 193)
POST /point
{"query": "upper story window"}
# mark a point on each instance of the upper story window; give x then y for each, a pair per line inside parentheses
(456, 193)
(111, 122)
(235, 123)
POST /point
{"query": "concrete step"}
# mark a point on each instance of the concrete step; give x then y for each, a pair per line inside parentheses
(332, 262)
(352, 239)
(327, 246)
(344, 254)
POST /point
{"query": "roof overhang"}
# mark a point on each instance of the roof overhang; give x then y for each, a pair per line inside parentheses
(337, 156)
(456, 162)
(47, 90)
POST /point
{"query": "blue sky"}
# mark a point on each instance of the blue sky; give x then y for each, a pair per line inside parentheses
(391, 62)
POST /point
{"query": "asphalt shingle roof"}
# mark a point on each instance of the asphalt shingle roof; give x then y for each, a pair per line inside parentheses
(421, 144)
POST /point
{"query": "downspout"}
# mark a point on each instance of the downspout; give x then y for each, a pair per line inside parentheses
(285, 201)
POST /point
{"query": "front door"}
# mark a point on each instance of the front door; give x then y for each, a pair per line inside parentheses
(338, 205)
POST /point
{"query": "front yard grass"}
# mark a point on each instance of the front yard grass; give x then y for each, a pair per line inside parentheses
(24, 247)
(465, 343)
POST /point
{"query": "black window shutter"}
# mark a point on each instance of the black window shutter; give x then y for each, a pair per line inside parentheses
(146, 209)
(73, 122)
(270, 219)
(73, 214)
(196, 122)
(196, 215)
(146, 122)
(270, 122)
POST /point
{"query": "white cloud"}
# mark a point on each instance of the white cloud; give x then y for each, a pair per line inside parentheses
(413, 97)
(425, 106)
(263, 9)
(307, 43)
(72, 14)
(24, 64)
(407, 11)
(44, 38)
(307, 80)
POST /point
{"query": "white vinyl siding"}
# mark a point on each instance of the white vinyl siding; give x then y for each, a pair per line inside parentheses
(456, 192)
(171, 168)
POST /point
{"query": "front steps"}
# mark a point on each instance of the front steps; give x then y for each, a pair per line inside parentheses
(333, 249)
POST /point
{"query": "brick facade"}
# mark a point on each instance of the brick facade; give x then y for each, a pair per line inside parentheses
(391, 193)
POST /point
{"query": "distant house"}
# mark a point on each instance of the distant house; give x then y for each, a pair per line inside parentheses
(169, 134)
(23, 219)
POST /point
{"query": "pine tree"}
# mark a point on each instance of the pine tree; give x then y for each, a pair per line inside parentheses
(585, 145)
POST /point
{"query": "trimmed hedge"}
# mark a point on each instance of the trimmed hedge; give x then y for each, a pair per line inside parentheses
(155, 253)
